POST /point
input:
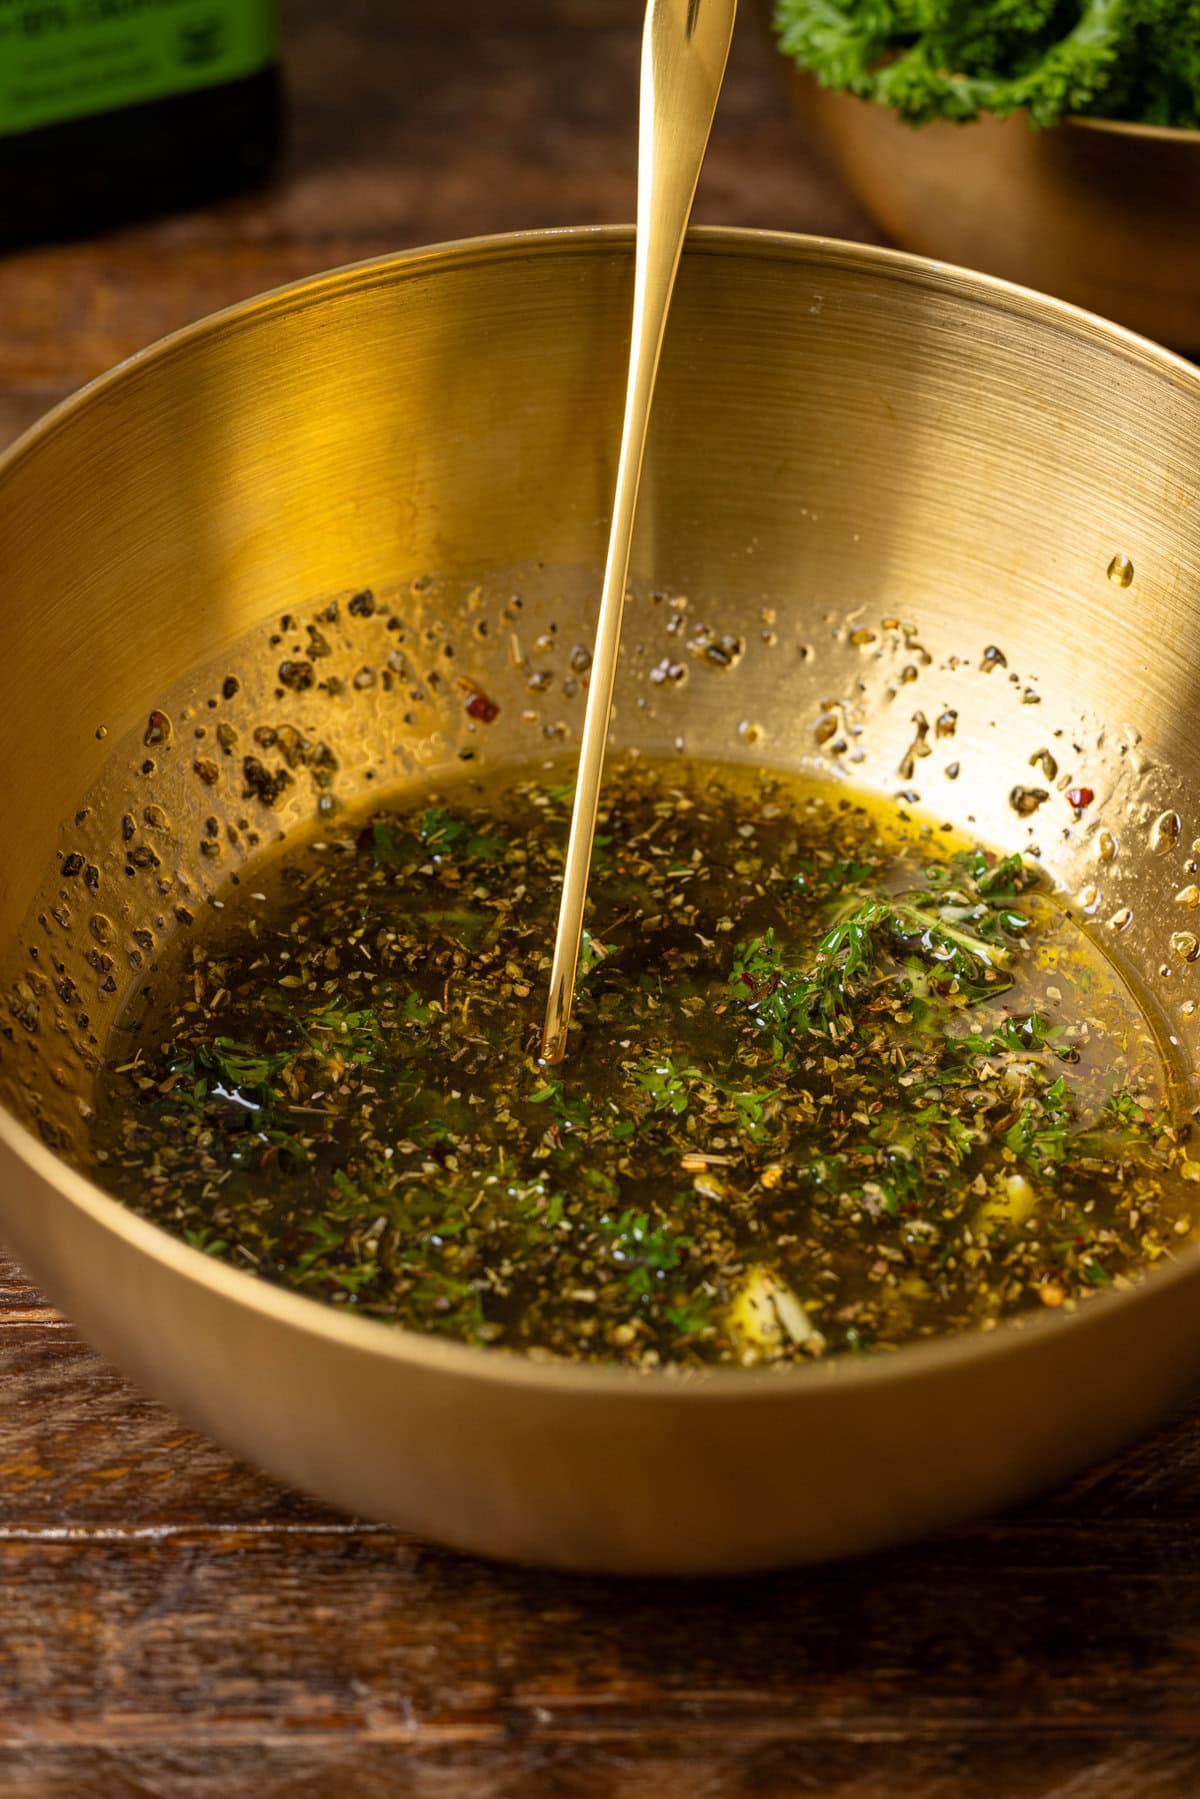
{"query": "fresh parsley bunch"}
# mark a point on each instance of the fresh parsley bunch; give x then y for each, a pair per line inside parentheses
(955, 59)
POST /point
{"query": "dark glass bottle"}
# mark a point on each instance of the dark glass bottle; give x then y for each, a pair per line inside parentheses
(114, 110)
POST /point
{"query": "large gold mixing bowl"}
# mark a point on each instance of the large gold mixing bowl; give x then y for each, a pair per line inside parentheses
(843, 438)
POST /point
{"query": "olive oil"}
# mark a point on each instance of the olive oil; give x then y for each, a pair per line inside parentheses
(110, 112)
(839, 1079)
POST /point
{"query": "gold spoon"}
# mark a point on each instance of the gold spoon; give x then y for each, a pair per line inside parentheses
(685, 45)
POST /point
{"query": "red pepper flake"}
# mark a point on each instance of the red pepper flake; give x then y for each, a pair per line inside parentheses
(479, 705)
(1079, 797)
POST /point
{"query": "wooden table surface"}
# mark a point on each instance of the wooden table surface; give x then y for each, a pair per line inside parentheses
(172, 1622)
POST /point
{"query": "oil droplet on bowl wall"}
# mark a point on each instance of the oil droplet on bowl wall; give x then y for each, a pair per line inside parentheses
(1164, 832)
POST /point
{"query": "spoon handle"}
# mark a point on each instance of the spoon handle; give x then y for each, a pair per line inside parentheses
(685, 45)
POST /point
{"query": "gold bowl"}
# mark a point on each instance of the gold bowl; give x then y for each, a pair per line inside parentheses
(1100, 213)
(841, 434)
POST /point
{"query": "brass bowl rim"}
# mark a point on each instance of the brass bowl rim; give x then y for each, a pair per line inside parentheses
(1184, 135)
(397, 1343)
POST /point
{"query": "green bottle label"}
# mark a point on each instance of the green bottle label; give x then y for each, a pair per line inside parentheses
(64, 59)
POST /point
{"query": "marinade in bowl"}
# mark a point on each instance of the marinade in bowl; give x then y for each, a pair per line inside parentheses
(839, 1078)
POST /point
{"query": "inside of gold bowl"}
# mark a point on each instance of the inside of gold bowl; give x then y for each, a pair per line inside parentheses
(948, 529)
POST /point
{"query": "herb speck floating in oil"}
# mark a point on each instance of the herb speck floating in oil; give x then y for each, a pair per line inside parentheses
(837, 1080)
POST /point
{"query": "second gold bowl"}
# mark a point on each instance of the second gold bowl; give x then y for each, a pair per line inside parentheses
(1097, 212)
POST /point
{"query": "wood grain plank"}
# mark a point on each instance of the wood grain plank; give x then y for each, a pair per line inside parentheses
(528, 1766)
(18, 1295)
(206, 1649)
